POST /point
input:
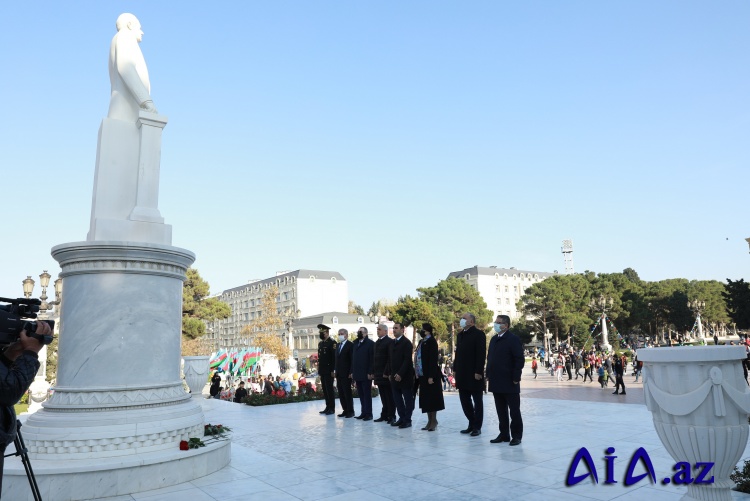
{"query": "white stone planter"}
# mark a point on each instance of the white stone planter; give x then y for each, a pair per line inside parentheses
(196, 373)
(700, 404)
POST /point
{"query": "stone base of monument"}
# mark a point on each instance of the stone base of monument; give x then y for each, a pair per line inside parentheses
(119, 410)
(81, 479)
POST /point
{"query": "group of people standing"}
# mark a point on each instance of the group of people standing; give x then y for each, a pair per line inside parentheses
(400, 371)
(608, 367)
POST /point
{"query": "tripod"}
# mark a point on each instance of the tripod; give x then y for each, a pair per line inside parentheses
(21, 451)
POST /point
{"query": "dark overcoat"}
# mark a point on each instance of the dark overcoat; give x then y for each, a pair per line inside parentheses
(471, 351)
(362, 359)
(380, 365)
(344, 360)
(401, 363)
(430, 395)
(505, 362)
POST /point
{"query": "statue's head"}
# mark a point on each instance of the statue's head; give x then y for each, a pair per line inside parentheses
(129, 22)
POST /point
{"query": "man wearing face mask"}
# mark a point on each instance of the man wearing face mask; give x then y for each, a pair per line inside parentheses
(468, 369)
(326, 365)
(362, 372)
(344, 374)
(505, 362)
(402, 376)
(381, 371)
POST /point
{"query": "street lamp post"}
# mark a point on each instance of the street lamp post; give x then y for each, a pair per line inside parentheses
(603, 303)
(39, 388)
(697, 308)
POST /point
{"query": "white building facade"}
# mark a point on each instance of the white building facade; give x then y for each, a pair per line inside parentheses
(302, 293)
(501, 288)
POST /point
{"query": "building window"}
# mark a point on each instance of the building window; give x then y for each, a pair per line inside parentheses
(467, 276)
(247, 317)
(335, 320)
(497, 275)
(506, 288)
(333, 280)
(522, 276)
(499, 301)
(312, 278)
(507, 301)
(536, 276)
(286, 296)
(515, 277)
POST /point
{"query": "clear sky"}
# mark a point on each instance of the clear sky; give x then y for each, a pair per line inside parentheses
(396, 141)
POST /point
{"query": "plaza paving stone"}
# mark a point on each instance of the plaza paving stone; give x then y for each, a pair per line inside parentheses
(290, 452)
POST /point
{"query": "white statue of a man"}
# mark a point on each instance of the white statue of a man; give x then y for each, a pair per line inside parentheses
(131, 89)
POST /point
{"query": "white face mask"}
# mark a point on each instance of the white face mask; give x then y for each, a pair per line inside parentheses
(463, 323)
(342, 338)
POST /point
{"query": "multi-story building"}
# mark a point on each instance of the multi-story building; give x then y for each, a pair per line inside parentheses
(302, 293)
(501, 288)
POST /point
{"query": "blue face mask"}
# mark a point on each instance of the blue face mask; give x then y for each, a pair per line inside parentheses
(497, 328)
(463, 323)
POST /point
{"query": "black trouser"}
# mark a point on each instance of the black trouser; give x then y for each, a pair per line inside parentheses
(619, 381)
(364, 389)
(2, 464)
(587, 372)
(344, 384)
(386, 399)
(508, 407)
(569, 371)
(326, 381)
(578, 372)
(403, 397)
(474, 413)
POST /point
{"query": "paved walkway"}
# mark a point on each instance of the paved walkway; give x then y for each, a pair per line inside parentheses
(290, 452)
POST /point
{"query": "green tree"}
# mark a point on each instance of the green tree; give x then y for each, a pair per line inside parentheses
(265, 328)
(414, 311)
(197, 307)
(355, 309)
(737, 297)
(453, 297)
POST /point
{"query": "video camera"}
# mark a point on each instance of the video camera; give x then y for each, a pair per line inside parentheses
(14, 319)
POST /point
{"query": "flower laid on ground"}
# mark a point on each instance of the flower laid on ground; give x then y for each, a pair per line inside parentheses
(191, 443)
(211, 429)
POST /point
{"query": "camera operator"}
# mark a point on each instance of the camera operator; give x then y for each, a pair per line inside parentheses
(18, 366)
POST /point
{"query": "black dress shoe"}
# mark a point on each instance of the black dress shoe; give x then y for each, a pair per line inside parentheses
(405, 425)
(623, 393)
(515, 441)
(324, 411)
(367, 418)
(476, 433)
(396, 423)
(467, 430)
(350, 415)
(380, 419)
(614, 393)
(499, 439)
(328, 413)
(359, 417)
(343, 414)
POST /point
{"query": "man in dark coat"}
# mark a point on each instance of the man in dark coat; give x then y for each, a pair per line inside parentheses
(402, 376)
(344, 374)
(326, 367)
(381, 370)
(362, 374)
(468, 369)
(619, 368)
(504, 365)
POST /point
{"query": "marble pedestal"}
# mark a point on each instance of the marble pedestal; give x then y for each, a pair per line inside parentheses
(119, 403)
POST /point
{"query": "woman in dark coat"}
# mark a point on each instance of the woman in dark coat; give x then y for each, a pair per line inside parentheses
(428, 373)
(215, 385)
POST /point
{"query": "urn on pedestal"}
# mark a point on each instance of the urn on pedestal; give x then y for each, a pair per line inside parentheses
(700, 403)
(196, 370)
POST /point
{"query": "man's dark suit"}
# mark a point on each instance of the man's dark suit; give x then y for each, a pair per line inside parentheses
(343, 381)
(326, 366)
(505, 362)
(471, 350)
(381, 369)
(362, 359)
(403, 391)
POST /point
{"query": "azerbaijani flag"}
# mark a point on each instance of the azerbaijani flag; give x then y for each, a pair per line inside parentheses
(218, 359)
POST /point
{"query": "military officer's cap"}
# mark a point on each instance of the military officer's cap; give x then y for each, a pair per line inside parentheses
(323, 326)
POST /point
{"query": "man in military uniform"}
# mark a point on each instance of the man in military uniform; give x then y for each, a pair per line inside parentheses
(326, 365)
